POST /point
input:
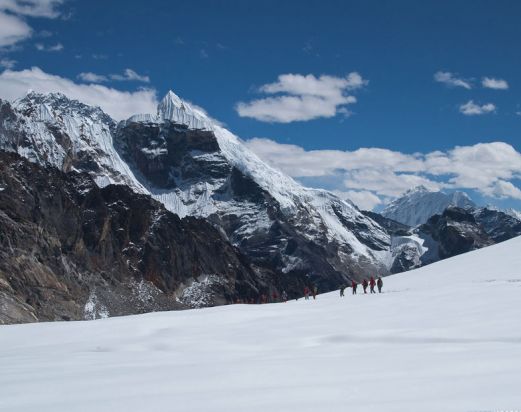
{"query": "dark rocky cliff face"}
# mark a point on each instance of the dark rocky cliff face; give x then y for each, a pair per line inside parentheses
(391, 226)
(497, 225)
(70, 250)
(459, 230)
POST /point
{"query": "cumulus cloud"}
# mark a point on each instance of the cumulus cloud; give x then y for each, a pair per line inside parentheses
(128, 75)
(303, 97)
(13, 27)
(504, 189)
(452, 80)
(488, 168)
(472, 109)
(54, 48)
(7, 63)
(364, 199)
(32, 8)
(491, 83)
(92, 77)
(118, 104)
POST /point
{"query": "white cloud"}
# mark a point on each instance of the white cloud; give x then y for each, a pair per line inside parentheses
(92, 77)
(451, 80)
(303, 98)
(486, 167)
(128, 75)
(42, 47)
(7, 63)
(364, 199)
(472, 109)
(386, 182)
(119, 104)
(32, 8)
(503, 189)
(491, 83)
(13, 27)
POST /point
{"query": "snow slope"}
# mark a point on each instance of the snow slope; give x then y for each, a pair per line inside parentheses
(444, 337)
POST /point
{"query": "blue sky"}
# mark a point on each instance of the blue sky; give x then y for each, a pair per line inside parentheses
(218, 54)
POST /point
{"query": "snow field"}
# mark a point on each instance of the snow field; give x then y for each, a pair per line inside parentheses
(444, 337)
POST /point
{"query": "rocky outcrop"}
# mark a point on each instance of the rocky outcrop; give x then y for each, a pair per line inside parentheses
(391, 226)
(455, 231)
(498, 225)
(72, 250)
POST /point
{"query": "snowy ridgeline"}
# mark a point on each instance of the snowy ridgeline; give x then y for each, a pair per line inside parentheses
(441, 338)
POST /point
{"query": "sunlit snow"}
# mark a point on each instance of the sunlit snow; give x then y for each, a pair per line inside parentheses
(444, 337)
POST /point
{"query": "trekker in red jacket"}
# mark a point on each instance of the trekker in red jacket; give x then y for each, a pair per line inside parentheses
(354, 285)
(372, 284)
(306, 293)
(364, 285)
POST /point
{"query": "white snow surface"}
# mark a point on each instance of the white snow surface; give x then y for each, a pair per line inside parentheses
(444, 337)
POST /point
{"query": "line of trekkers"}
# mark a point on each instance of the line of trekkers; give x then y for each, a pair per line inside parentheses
(379, 283)
(313, 292)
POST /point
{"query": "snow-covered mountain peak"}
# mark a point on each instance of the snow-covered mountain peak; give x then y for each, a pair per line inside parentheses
(418, 204)
(176, 110)
(48, 107)
(417, 189)
(67, 134)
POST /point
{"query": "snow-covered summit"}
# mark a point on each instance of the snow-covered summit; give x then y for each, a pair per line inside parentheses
(172, 108)
(418, 204)
(68, 134)
(176, 110)
(46, 107)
